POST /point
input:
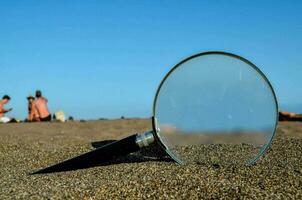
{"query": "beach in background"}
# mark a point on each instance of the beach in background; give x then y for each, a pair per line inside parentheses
(26, 147)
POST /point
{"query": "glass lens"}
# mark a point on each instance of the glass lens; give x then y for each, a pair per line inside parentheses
(216, 108)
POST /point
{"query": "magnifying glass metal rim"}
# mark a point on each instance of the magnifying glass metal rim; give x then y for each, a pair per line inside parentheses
(154, 120)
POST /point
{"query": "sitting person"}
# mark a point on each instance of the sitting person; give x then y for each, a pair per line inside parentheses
(4, 101)
(33, 115)
(289, 116)
(41, 106)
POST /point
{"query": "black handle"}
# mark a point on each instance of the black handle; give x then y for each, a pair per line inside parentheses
(95, 157)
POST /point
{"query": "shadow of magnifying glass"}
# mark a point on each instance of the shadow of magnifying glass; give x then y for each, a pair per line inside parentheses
(211, 108)
(150, 153)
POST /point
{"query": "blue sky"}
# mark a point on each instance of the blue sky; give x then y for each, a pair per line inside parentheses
(106, 58)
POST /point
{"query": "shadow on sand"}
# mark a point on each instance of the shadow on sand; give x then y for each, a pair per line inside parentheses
(90, 159)
(152, 153)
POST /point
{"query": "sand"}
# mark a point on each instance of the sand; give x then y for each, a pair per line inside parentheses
(27, 147)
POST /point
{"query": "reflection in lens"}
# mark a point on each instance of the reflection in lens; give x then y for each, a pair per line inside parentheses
(216, 108)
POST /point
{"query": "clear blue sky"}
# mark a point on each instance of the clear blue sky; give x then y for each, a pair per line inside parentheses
(106, 58)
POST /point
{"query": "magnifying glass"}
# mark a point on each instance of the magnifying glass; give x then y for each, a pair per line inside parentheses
(211, 108)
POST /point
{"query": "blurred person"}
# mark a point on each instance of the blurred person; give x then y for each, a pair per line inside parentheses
(33, 115)
(5, 100)
(41, 106)
(289, 116)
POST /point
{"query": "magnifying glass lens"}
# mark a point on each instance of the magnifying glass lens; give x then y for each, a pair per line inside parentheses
(216, 108)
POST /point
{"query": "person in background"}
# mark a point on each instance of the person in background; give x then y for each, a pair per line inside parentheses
(289, 116)
(41, 106)
(33, 115)
(5, 100)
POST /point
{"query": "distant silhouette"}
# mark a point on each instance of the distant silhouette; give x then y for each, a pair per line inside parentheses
(41, 106)
(32, 111)
(289, 116)
(5, 100)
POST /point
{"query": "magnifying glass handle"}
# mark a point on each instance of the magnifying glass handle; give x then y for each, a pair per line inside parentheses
(105, 153)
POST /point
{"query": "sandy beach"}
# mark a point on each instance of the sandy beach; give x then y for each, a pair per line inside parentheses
(26, 147)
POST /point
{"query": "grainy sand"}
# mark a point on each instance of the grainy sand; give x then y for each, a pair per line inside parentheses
(27, 147)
